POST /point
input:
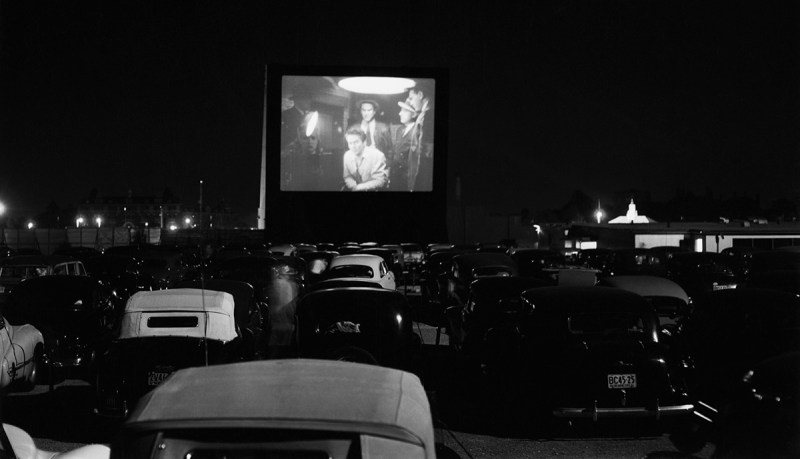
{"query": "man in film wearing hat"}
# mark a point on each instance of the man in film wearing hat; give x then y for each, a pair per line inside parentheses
(409, 162)
(378, 134)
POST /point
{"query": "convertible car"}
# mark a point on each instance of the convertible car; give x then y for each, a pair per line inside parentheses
(282, 408)
(165, 330)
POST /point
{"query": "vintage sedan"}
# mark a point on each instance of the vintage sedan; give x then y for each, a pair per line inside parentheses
(282, 408)
(491, 302)
(362, 324)
(75, 314)
(22, 350)
(763, 417)
(591, 353)
(16, 269)
(362, 266)
(701, 272)
(123, 273)
(163, 331)
(726, 335)
(531, 262)
(669, 299)
(467, 267)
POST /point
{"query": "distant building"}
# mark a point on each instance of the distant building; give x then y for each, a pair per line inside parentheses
(132, 211)
(696, 236)
(632, 216)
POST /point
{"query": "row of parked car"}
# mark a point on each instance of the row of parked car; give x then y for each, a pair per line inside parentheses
(562, 341)
(574, 339)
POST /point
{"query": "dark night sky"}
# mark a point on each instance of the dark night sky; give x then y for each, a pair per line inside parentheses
(545, 97)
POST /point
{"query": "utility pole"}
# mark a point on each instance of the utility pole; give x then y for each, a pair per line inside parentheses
(200, 218)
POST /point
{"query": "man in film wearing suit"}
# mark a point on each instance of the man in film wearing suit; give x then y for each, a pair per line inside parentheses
(378, 134)
(364, 167)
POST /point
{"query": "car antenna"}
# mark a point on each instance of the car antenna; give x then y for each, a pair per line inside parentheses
(205, 314)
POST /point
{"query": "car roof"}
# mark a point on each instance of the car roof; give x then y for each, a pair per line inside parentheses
(647, 286)
(356, 259)
(299, 394)
(474, 259)
(568, 300)
(214, 311)
(181, 299)
(36, 260)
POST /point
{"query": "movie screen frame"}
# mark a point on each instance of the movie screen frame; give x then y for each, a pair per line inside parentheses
(320, 110)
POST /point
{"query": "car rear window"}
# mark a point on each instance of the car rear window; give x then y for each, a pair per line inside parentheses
(172, 322)
(605, 323)
(360, 271)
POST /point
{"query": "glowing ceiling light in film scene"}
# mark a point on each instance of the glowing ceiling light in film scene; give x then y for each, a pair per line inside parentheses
(376, 85)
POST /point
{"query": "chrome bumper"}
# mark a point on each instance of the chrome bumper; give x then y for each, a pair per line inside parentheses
(596, 413)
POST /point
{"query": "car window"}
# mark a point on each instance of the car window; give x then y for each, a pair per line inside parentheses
(383, 269)
(491, 271)
(351, 271)
(605, 323)
(60, 270)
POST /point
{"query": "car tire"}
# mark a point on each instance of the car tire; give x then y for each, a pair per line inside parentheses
(353, 354)
(688, 437)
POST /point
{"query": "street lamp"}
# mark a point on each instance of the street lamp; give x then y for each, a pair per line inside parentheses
(598, 215)
(31, 225)
(2, 227)
(79, 221)
(99, 221)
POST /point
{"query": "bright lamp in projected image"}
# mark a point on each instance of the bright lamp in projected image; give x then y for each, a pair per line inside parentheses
(357, 133)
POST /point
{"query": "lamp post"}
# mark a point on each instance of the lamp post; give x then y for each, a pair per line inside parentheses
(598, 214)
(3, 226)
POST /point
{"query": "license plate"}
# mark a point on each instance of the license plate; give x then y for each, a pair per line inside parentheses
(716, 287)
(158, 376)
(413, 289)
(624, 381)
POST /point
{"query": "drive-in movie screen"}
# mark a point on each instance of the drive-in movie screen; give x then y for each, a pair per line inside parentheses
(357, 133)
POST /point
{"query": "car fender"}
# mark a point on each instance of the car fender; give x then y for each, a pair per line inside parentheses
(25, 339)
(25, 448)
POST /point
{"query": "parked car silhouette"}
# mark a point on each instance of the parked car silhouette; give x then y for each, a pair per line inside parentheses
(166, 330)
(363, 324)
(76, 316)
(282, 408)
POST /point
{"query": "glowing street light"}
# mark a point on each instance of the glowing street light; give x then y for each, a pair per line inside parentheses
(99, 221)
(598, 214)
(2, 208)
(31, 225)
(79, 221)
